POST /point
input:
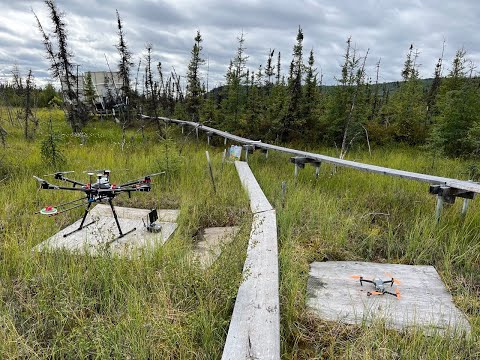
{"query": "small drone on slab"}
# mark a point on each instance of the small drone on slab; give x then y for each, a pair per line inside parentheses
(379, 284)
(99, 191)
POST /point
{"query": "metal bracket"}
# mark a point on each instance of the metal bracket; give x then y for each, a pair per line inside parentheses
(249, 149)
(300, 162)
(209, 136)
(447, 194)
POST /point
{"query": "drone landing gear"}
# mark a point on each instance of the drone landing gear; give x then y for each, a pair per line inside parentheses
(122, 234)
(81, 224)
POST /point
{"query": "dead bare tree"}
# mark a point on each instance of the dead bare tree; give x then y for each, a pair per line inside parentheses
(354, 73)
(61, 66)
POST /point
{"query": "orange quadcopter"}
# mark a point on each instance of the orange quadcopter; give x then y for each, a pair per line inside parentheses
(379, 284)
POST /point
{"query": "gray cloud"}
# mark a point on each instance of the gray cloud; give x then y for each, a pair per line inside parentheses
(385, 28)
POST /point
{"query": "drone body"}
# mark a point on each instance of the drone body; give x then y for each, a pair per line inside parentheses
(379, 285)
(98, 191)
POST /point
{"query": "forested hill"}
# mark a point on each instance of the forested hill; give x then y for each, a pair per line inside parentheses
(390, 87)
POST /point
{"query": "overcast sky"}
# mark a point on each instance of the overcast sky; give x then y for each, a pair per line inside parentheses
(387, 28)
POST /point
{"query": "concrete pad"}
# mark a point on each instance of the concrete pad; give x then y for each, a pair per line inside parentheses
(165, 215)
(100, 237)
(425, 302)
(211, 242)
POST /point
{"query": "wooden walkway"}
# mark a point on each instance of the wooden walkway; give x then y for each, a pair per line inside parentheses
(254, 331)
(459, 185)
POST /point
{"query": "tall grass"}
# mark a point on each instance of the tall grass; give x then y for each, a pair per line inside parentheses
(162, 305)
(158, 305)
(353, 215)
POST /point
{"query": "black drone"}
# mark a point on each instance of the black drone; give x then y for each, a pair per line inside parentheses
(379, 285)
(100, 191)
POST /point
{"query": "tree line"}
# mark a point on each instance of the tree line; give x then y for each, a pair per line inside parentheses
(265, 103)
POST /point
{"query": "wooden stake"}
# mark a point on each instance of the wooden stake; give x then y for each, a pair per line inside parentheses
(224, 156)
(211, 172)
(284, 192)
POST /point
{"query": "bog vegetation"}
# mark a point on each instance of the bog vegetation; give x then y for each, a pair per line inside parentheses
(160, 304)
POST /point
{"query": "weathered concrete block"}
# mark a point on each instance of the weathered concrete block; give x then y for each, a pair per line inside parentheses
(424, 302)
(100, 237)
(211, 242)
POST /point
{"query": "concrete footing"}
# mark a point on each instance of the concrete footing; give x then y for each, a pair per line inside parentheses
(211, 242)
(424, 301)
(102, 235)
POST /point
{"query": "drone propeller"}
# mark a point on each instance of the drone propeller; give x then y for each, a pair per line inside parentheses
(395, 281)
(60, 173)
(357, 276)
(40, 180)
(374, 293)
(397, 292)
(155, 174)
(103, 170)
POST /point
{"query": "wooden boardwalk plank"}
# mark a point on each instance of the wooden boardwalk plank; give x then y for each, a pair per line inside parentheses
(254, 331)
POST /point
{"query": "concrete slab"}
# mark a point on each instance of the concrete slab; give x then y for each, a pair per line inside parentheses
(211, 242)
(425, 302)
(165, 215)
(100, 236)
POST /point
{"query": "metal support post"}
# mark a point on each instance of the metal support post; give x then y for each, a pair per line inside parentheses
(317, 169)
(465, 207)
(438, 211)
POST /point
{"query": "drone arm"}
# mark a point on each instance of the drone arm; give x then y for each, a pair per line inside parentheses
(133, 182)
(74, 182)
(128, 189)
(146, 179)
(56, 187)
(362, 280)
(397, 294)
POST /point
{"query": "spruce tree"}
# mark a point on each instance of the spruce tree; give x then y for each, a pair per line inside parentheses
(293, 120)
(125, 59)
(62, 67)
(311, 98)
(269, 71)
(236, 77)
(194, 88)
(406, 109)
(458, 116)
(89, 90)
